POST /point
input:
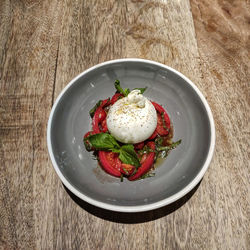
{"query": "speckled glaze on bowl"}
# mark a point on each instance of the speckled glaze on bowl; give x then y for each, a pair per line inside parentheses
(176, 176)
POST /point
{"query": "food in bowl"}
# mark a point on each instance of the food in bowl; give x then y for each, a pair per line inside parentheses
(129, 133)
(175, 176)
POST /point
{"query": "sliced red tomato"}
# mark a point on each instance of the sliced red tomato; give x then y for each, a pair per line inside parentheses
(139, 145)
(115, 97)
(105, 103)
(86, 142)
(110, 162)
(102, 115)
(160, 126)
(104, 126)
(153, 135)
(163, 121)
(127, 169)
(146, 165)
(99, 116)
(144, 157)
(87, 134)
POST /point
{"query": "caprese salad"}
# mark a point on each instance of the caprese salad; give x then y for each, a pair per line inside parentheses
(129, 133)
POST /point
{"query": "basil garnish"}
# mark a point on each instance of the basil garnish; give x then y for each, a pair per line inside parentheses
(103, 141)
(106, 142)
(147, 175)
(169, 147)
(118, 87)
(125, 92)
(128, 155)
(92, 111)
(141, 89)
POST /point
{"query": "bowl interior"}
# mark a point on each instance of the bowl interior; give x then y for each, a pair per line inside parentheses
(71, 121)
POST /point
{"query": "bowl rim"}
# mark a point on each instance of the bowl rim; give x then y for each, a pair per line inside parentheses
(146, 207)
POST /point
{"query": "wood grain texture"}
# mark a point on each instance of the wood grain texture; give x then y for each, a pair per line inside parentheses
(28, 58)
(44, 44)
(223, 38)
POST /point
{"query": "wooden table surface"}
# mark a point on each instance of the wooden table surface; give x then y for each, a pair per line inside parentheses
(44, 44)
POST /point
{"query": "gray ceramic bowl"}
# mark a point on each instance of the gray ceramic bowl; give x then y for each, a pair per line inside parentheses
(177, 175)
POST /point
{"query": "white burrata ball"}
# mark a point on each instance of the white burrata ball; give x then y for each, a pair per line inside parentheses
(132, 119)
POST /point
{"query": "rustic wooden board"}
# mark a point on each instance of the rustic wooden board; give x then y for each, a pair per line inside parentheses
(223, 32)
(44, 44)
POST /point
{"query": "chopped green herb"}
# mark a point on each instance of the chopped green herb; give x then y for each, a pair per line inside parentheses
(141, 89)
(159, 141)
(92, 111)
(164, 122)
(172, 146)
(146, 149)
(162, 151)
(121, 177)
(147, 175)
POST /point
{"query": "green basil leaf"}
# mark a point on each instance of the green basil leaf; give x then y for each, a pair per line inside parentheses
(128, 155)
(103, 141)
(159, 141)
(141, 89)
(118, 87)
(92, 111)
(126, 92)
(116, 150)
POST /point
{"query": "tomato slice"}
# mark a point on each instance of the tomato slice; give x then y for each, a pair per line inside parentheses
(139, 145)
(86, 142)
(127, 169)
(104, 126)
(105, 103)
(110, 162)
(163, 121)
(114, 160)
(160, 126)
(143, 159)
(102, 115)
(87, 134)
(152, 137)
(146, 163)
(116, 97)
(99, 116)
